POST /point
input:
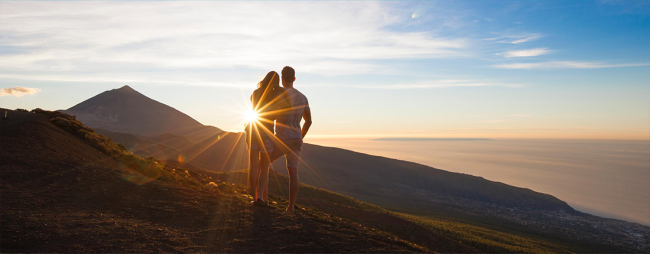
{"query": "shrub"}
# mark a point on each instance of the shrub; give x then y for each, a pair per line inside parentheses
(211, 186)
(62, 123)
(225, 188)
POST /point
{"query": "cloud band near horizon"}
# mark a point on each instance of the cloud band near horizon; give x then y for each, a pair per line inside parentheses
(566, 65)
(18, 91)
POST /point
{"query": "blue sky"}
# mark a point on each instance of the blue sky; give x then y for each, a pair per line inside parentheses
(495, 69)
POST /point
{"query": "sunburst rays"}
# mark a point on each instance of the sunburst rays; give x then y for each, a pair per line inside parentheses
(256, 127)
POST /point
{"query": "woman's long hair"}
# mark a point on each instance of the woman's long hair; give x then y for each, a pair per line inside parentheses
(270, 81)
(269, 86)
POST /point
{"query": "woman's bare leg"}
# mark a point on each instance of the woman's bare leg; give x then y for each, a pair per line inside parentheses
(264, 176)
(265, 195)
(253, 171)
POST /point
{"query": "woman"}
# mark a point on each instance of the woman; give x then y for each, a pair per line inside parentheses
(267, 101)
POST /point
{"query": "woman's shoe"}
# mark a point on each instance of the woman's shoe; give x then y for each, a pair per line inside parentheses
(260, 202)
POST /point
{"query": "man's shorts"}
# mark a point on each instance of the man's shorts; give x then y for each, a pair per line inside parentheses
(290, 148)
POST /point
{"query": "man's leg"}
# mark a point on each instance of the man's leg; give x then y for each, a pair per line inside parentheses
(254, 171)
(293, 160)
(294, 184)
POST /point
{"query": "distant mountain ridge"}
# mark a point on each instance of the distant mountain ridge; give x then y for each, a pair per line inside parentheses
(128, 111)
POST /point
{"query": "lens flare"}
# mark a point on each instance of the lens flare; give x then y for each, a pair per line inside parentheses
(416, 14)
(251, 116)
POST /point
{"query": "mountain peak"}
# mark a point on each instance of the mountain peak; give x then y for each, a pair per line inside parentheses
(127, 88)
(127, 110)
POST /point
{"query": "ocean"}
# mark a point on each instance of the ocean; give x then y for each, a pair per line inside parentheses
(609, 178)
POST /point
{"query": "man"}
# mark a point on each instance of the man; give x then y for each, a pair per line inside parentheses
(289, 133)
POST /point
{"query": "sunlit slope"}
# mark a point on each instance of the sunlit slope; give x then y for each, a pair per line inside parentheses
(61, 194)
(225, 151)
(140, 146)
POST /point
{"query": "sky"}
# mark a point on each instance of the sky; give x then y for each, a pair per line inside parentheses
(472, 69)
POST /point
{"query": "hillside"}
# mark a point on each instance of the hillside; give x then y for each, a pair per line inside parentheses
(61, 194)
(410, 188)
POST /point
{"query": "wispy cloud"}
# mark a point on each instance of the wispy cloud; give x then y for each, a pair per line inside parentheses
(566, 65)
(159, 79)
(439, 84)
(526, 39)
(521, 115)
(515, 39)
(120, 37)
(18, 91)
(525, 53)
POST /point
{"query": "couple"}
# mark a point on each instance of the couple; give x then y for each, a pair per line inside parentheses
(276, 132)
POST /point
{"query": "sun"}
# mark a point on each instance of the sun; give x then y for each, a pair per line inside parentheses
(251, 116)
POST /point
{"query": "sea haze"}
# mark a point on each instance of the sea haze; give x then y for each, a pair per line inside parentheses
(610, 178)
(431, 139)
